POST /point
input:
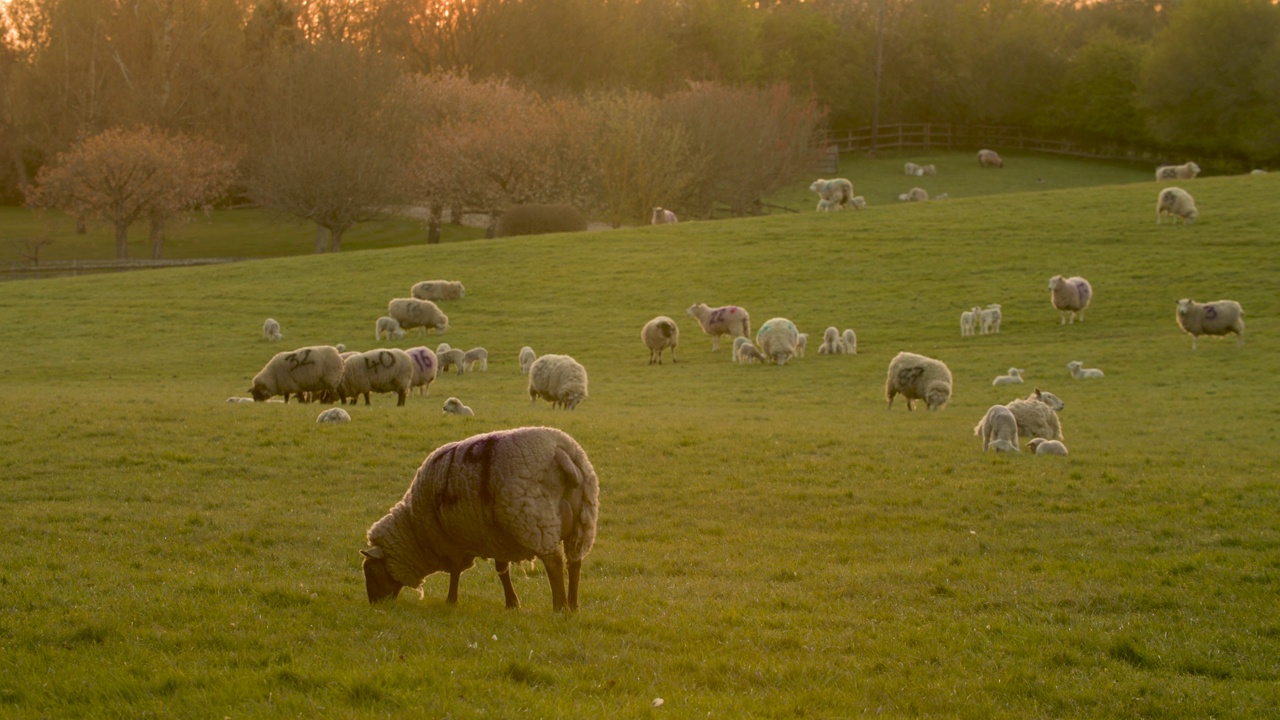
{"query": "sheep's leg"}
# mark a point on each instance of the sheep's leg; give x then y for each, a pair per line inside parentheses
(452, 597)
(575, 571)
(673, 351)
(508, 590)
(554, 562)
(401, 394)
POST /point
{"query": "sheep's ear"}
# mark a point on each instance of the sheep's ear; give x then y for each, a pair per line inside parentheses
(375, 553)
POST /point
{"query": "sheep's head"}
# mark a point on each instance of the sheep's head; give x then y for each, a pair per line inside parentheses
(937, 395)
(572, 399)
(260, 392)
(1055, 281)
(377, 579)
(1184, 306)
(1034, 443)
(1047, 398)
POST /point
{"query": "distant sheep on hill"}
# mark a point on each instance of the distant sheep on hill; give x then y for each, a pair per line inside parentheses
(833, 194)
(989, 159)
(1185, 171)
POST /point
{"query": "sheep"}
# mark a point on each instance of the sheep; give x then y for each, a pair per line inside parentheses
(659, 334)
(559, 379)
(381, 370)
(1080, 372)
(476, 356)
(929, 169)
(746, 353)
(918, 377)
(527, 356)
(729, 320)
(1215, 318)
(334, 415)
(1185, 171)
(969, 321)
(662, 216)
(802, 344)
(414, 313)
(1013, 377)
(425, 365)
(998, 430)
(941, 196)
(389, 327)
(271, 330)
(1046, 447)
(451, 357)
(912, 169)
(835, 193)
(341, 348)
(850, 340)
(831, 344)
(1177, 204)
(1070, 296)
(777, 339)
(234, 399)
(442, 347)
(915, 194)
(989, 159)
(989, 319)
(454, 406)
(315, 369)
(1037, 415)
(510, 495)
(438, 290)
(858, 202)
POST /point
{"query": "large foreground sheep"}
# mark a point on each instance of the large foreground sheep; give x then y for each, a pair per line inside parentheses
(510, 495)
(559, 379)
(917, 377)
(728, 320)
(1070, 296)
(1219, 317)
(660, 334)
(316, 370)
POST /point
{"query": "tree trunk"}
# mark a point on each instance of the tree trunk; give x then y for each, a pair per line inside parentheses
(81, 226)
(122, 241)
(335, 238)
(322, 237)
(157, 237)
(433, 225)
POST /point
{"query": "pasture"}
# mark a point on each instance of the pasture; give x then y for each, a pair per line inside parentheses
(772, 542)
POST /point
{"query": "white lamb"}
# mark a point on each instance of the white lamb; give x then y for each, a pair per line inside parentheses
(831, 344)
(476, 356)
(526, 358)
(915, 194)
(454, 406)
(912, 169)
(850, 340)
(1080, 372)
(334, 415)
(662, 216)
(1070, 296)
(271, 330)
(1177, 204)
(1047, 447)
(998, 430)
(989, 319)
(729, 320)
(558, 378)
(1185, 171)
(969, 321)
(451, 357)
(660, 334)
(802, 344)
(388, 327)
(917, 377)
(746, 353)
(836, 193)
(989, 159)
(858, 202)
(1219, 317)
(929, 169)
(777, 339)
(1013, 377)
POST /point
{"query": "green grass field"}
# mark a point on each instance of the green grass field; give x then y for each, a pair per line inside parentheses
(772, 542)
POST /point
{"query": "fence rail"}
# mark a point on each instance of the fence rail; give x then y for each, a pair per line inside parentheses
(60, 268)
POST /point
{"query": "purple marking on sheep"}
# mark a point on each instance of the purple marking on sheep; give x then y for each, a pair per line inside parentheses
(1210, 312)
(1084, 290)
(422, 360)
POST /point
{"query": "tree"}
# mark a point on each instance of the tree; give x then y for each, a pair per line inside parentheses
(1099, 96)
(122, 175)
(641, 159)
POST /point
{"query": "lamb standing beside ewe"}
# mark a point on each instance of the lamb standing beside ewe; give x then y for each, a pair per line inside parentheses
(917, 377)
(659, 334)
(834, 194)
(1080, 372)
(510, 495)
(454, 406)
(777, 339)
(425, 365)
(414, 313)
(476, 356)
(451, 357)
(271, 330)
(746, 353)
(438, 290)
(1014, 376)
(559, 379)
(1177, 204)
(831, 344)
(389, 327)
(989, 159)
(382, 370)
(969, 321)
(662, 216)
(729, 320)
(316, 369)
(1215, 318)
(1070, 296)
(1037, 415)
(1046, 447)
(1185, 171)
(998, 430)
(527, 356)
(850, 340)
(802, 344)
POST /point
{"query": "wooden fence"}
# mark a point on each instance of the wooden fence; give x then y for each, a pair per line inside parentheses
(61, 268)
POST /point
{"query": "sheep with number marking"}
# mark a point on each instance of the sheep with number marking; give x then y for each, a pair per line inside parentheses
(777, 339)
(1177, 204)
(1037, 415)
(425, 366)
(990, 159)
(660, 333)
(1185, 171)
(271, 330)
(1219, 317)
(998, 430)
(454, 406)
(421, 314)
(1070, 296)
(917, 377)
(559, 379)
(834, 194)
(387, 327)
(1080, 372)
(438, 290)
(385, 370)
(510, 495)
(316, 370)
(728, 320)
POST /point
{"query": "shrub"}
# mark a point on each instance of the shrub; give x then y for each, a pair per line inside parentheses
(540, 219)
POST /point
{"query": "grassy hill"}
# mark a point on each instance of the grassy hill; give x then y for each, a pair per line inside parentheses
(772, 541)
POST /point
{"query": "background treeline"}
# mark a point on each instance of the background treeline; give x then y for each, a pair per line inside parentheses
(1197, 76)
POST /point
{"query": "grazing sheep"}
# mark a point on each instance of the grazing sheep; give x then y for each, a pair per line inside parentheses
(729, 320)
(438, 290)
(989, 319)
(1013, 377)
(389, 327)
(918, 377)
(1080, 372)
(969, 321)
(989, 159)
(912, 169)
(834, 193)
(802, 344)
(858, 202)
(414, 313)
(929, 169)
(382, 370)
(425, 365)
(850, 340)
(915, 194)
(746, 353)
(1215, 318)
(316, 369)
(1046, 447)
(271, 330)
(659, 334)
(476, 356)
(527, 356)
(998, 430)
(831, 344)
(662, 216)
(454, 406)
(777, 340)
(1185, 171)
(510, 495)
(559, 379)
(1177, 204)
(1037, 415)
(451, 357)
(334, 415)
(1070, 296)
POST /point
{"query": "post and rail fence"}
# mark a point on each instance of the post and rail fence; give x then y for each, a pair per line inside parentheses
(63, 268)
